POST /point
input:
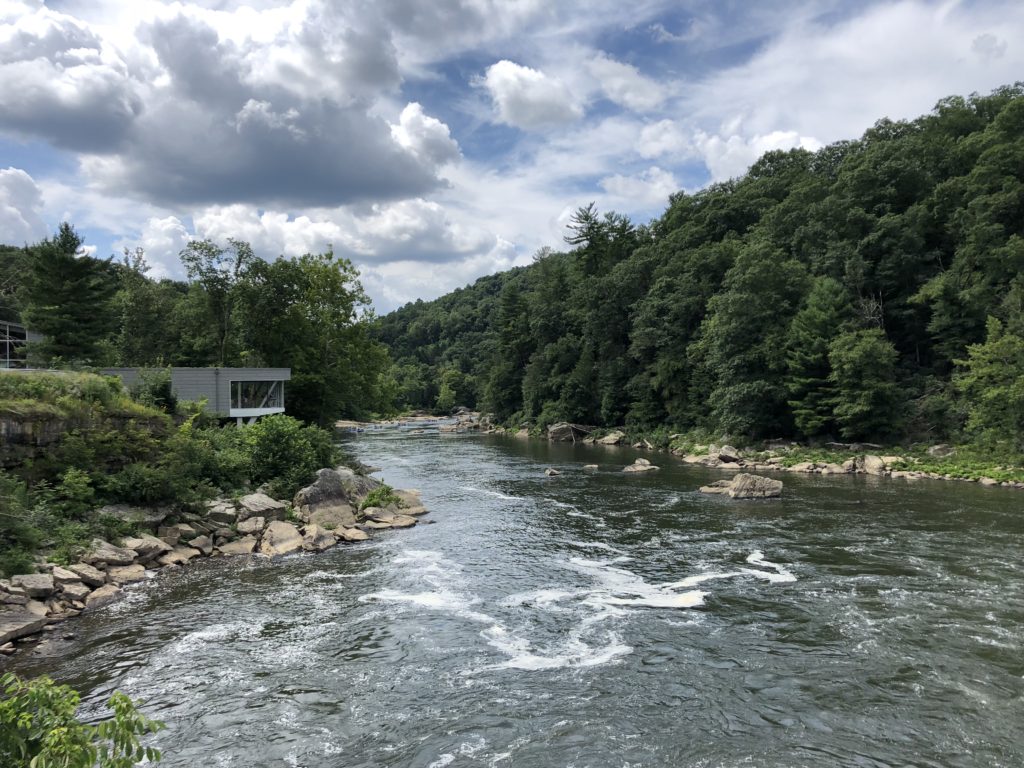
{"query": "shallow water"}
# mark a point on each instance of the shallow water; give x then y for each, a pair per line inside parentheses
(590, 620)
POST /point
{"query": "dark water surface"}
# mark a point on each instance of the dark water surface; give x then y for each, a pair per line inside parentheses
(541, 622)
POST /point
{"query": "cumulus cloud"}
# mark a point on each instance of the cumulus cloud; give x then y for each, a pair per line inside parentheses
(664, 137)
(21, 204)
(731, 156)
(642, 191)
(163, 240)
(527, 98)
(623, 84)
(425, 136)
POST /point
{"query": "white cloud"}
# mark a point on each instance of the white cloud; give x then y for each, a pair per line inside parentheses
(731, 156)
(664, 137)
(527, 98)
(645, 190)
(163, 240)
(623, 84)
(425, 136)
(21, 207)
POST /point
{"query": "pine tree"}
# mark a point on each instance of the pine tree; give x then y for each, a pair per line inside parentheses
(69, 299)
(864, 376)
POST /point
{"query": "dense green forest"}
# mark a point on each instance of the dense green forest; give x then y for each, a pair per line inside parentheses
(309, 314)
(871, 290)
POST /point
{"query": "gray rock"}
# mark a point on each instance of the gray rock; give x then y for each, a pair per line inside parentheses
(179, 555)
(34, 584)
(612, 438)
(550, 472)
(873, 465)
(169, 534)
(328, 501)
(93, 577)
(126, 574)
(280, 538)
(105, 552)
(100, 597)
(641, 465)
(75, 591)
(251, 525)
(316, 539)
(746, 486)
(243, 546)
(17, 624)
(717, 487)
(6, 598)
(261, 505)
(203, 543)
(62, 576)
(221, 511)
(149, 547)
(351, 534)
(565, 432)
(149, 517)
(728, 454)
(590, 467)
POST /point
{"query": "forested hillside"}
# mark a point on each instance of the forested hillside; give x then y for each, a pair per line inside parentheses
(870, 290)
(235, 309)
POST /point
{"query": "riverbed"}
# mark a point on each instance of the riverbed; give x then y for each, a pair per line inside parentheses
(589, 619)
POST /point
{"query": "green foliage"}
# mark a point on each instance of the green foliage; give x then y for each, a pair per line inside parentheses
(153, 389)
(868, 401)
(381, 496)
(38, 729)
(991, 380)
(822, 292)
(285, 454)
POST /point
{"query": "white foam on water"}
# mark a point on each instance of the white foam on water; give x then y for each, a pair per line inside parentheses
(488, 492)
(573, 653)
(595, 545)
(691, 599)
(542, 598)
(757, 558)
(215, 633)
(446, 759)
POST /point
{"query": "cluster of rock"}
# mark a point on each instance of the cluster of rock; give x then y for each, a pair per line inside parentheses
(322, 515)
(746, 486)
(641, 465)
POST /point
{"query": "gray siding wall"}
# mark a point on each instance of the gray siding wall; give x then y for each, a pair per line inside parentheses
(214, 384)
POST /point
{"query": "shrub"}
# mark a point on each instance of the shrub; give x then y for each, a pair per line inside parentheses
(38, 729)
(285, 455)
(381, 496)
(153, 388)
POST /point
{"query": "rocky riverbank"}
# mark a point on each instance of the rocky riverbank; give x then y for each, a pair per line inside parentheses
(340, 507)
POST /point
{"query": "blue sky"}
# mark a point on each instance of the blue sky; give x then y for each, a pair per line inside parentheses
(432, 143)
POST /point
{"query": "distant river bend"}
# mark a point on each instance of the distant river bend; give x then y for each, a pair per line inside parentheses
(590, 620)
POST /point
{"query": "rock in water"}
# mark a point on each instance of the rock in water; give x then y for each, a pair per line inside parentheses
(746, 486)
(243, 546)
(729, 454)
(316, 539)
(873, 465)
(280, 538)
(260, 505)
(612, 438)
(327, 502)
(641, 465)
(551, 472)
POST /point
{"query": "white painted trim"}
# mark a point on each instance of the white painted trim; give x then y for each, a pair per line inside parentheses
(254, 411)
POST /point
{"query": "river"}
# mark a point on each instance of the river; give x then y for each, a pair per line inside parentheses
(589, 619)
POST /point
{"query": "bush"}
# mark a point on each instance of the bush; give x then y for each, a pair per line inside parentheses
(381, 496)
(38, 729)
(285, 455)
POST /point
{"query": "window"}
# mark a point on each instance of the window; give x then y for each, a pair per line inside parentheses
(257, 394)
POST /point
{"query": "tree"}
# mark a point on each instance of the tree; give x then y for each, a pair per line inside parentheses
(991, 383)
(68, 299)
(867, 400)
(825, 315)
(38, 729)
(218, 270)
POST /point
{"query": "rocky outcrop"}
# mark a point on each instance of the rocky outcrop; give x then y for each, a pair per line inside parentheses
(94, 577)
(612, 438)
(316, 539)
(34, 584)
(564, 432)
(148, 547)
(243, 546)
(746, 486)
(280, 538)
(261, 505)
(18, 624)
(104, 553)
(126, 574)
(147, 517)
(641, 465)
(102, 596)
(351, 534)
(329, 501)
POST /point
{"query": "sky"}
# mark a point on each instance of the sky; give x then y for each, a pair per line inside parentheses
(432, 142)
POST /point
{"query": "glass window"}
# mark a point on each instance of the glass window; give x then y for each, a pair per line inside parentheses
(257, 394)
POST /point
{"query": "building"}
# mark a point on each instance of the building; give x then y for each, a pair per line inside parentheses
(240, 393)
(13, 337)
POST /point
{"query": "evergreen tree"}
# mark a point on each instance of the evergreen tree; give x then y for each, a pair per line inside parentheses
(991, 380)
(68, 299)
(867, 400)
(824, 316)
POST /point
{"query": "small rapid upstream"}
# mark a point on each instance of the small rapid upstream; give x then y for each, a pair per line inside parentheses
(590, 620)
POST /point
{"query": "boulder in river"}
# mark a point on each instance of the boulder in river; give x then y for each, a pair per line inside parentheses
(34, 584)
(243, 546)
(551, 472)
(612, 438)
(327, 502)
(873, 465)
(564, 432)
(746, 486)
(641, 465)
(280, 538)
(728, 454)
(126, 574)
(351, 534)
(149, 547)
(251, 525)
(16, 624)
(316, 539)
(93, 577)
(104, 552)
(260, 505)
(100, 597)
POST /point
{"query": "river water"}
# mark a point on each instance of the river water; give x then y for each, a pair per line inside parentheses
(589, 619)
